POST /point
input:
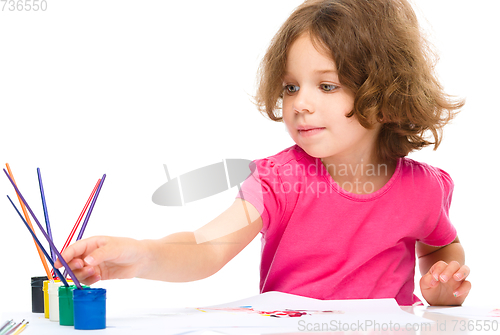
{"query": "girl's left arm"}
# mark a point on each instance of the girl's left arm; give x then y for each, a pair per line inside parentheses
(443, 273)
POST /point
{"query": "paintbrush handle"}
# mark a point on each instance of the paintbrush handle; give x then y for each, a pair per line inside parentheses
(72, 275)
(45, 211)
(87, 217)
(39, 244)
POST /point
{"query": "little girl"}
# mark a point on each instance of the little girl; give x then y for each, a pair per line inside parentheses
(342, 213)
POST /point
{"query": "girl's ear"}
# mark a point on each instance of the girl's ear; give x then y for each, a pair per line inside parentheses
(381, 118)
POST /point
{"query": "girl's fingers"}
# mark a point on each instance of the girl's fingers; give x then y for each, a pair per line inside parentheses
(75, 264)
(437, 269)
(462, 273)
(449, 271)
(81, 248)
(91, 280)
(104, 253)
(428, 281)
(85, 273)
(463, 289)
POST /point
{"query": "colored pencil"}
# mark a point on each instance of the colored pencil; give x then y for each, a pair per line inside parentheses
(45, 212)
(42, 258)
(72, 275)
(77, 224)
(39, 244)
(84, 225)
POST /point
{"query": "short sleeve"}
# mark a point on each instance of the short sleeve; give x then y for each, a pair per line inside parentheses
(443, 233)
(260, 189)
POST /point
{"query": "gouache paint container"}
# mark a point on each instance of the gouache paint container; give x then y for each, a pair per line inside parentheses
(46, 298)
(89, 308)
(54, 300)
(66, 310)
(37, 294)
(46, 305)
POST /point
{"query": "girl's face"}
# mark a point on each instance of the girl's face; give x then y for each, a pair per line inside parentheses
(315, 106)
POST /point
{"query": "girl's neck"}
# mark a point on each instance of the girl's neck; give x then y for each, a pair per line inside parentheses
(360, 174)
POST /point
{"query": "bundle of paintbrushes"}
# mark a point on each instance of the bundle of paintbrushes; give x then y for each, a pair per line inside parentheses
(53, 294)
(12, 328)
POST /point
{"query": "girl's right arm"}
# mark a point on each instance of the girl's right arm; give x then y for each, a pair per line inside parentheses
(179, 257)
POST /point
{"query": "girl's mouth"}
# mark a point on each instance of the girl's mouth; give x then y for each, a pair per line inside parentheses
(310, 132)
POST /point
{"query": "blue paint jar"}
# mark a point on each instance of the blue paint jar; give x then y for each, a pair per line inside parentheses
(90, 308)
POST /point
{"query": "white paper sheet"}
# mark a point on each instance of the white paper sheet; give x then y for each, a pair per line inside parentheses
(469, 312)
(357, 316)
(246, 316)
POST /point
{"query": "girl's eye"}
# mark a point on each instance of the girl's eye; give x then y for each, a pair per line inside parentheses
(290, 89)
(328, 87)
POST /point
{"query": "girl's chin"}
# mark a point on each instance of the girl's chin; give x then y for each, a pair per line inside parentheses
(312, 151)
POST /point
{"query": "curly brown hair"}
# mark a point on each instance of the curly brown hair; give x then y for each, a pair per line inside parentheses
(382, 56)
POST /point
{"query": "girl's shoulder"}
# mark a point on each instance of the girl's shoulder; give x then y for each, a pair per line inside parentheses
(425, 175)
(290, 163)
(290, 155)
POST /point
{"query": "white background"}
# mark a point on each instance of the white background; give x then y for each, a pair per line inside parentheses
(122, 87)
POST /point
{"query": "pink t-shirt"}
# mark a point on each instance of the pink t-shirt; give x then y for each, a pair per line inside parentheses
(323, 242)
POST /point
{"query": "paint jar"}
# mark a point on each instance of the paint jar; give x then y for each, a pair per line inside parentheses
(66, 310)
(46, 304)
(90, 308)
(46, 298)
(54, 300)
(37, 294)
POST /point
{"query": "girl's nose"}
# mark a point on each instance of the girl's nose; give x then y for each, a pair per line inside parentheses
(303, 102)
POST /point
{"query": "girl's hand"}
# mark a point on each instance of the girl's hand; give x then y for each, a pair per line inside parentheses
(104, 257)
(445, 284)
